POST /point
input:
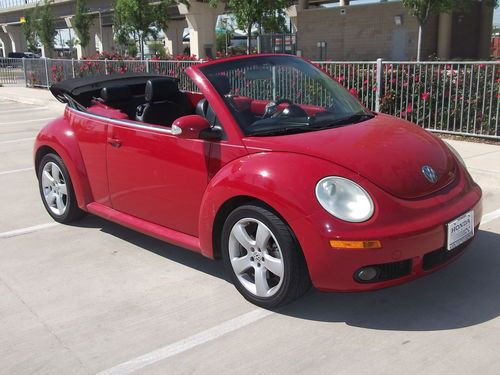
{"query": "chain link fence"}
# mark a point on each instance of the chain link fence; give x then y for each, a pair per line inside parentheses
(449, 97)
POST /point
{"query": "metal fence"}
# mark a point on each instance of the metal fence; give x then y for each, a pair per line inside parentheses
(449, 97)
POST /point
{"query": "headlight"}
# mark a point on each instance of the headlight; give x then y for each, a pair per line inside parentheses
(344, 199)
(457, 155)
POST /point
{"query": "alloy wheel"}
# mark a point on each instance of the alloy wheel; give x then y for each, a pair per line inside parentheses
(54, 188)
(256, 257)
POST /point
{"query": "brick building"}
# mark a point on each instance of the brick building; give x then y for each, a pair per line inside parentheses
(369, 31)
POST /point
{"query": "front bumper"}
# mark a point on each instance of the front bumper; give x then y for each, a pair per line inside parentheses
(413, 239)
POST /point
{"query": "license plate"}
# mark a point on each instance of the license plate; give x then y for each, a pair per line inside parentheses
(460, 230)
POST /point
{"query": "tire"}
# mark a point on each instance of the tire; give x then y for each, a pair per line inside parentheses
(263, 257)
(56, 190)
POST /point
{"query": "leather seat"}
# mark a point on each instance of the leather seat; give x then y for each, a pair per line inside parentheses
(116, 94)
(165, 103)
(121, 97)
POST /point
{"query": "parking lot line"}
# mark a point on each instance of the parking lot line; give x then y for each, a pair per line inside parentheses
(188, 343)
(19, 232)
(491, 216)
(17, 140)
(17, 170)
(21, 110)
(24, 121)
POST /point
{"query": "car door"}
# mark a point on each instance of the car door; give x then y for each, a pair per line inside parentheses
(91, 131)
(156, 176)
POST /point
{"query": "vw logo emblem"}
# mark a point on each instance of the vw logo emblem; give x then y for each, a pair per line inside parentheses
(430, 174)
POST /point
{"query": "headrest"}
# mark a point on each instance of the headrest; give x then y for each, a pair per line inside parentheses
(221, 84)
(161, 89)
(115, 94)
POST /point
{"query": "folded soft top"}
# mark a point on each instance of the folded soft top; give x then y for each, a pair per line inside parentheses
(81, 87)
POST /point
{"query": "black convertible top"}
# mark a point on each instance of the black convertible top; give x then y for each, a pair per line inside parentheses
(81, 87)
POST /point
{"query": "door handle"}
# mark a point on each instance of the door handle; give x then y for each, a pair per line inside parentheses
(114, 142)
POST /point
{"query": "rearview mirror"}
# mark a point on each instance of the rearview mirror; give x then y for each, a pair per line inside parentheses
(193, 127)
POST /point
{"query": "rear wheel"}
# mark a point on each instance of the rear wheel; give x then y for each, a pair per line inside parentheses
(56, 190)
(263, 257)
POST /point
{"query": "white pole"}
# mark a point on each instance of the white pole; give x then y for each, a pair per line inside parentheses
(379, 85)
(419, 43)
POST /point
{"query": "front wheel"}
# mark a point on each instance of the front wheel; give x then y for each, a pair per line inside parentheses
(56, 190)
(263, 257)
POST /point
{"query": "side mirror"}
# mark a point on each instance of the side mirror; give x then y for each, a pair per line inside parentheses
(190, 127)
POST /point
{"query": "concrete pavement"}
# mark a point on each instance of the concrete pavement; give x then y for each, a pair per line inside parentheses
(96, 297)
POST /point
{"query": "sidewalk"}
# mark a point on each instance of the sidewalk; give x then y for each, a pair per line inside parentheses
(483, 160)
(39, 97)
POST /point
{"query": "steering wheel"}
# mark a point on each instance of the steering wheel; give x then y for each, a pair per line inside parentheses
(272, 107)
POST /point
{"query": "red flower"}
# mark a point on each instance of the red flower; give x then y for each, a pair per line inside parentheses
(354, 92)
(425, 96)
(409, 109)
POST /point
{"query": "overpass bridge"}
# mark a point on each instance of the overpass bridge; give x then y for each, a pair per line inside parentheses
(199, 17)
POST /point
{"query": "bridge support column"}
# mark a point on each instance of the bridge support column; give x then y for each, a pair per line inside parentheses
(444, 36)
(107, 39)
(201, 19)
(47, 52)
(7, 45)
(173, 37)
(293, 14)
(18, 43)
(91, 49)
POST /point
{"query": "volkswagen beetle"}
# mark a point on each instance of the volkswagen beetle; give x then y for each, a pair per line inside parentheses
(267, 163)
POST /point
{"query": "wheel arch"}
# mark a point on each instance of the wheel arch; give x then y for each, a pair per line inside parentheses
(40, 153)
(57, 137)
(225, 209)
(264, 178)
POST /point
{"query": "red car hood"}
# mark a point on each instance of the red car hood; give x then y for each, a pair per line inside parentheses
(387, 151)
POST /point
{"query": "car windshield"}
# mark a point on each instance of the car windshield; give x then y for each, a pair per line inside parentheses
(277, 95)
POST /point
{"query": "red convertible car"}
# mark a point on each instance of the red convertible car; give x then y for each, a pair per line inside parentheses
(289, 190)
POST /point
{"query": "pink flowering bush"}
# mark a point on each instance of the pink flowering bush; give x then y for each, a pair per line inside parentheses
(451, 97)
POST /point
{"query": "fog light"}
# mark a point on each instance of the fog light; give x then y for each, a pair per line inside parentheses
(367, 274)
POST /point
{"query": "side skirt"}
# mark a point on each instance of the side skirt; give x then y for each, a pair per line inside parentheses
(146, 227)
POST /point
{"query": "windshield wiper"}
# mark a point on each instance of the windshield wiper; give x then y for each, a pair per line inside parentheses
(312, 124)
(281, 131)
(330, 123)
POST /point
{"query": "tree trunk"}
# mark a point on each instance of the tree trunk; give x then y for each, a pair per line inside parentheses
(419, 42)
(141, 45)
(249, 39)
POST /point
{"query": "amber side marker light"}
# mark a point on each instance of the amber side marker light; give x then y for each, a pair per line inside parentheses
(355, 244)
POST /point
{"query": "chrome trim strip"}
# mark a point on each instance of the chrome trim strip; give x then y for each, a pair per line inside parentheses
(124, 122)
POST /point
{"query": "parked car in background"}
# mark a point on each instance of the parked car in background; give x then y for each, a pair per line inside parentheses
(289, 192)
(20, 55)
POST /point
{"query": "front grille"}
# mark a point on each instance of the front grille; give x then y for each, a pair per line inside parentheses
(389, 271)
(441, 256)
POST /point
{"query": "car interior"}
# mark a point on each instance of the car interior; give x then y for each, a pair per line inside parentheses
(161, 102)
